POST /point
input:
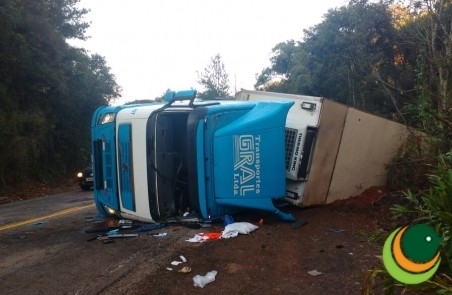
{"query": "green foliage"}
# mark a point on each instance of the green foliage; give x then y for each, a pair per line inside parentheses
(48, 90)
(214, 79)
(434, 207)
(349, 57)
(412, 163)
(378, 279)
(422, 112)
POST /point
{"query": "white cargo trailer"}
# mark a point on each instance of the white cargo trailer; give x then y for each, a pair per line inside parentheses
(333, 151)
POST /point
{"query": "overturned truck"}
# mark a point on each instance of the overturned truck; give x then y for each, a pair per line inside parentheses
(184, 156)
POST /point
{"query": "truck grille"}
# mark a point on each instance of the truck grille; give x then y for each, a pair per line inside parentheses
(291, 136)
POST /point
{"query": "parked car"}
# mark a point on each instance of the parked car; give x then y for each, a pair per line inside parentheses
(85, 178)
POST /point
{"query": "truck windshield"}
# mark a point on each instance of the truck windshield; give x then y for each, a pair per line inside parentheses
(166, 149)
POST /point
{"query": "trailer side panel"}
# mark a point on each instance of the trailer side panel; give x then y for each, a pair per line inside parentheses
(368, 145)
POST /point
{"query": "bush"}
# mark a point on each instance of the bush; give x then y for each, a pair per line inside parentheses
(433, 206)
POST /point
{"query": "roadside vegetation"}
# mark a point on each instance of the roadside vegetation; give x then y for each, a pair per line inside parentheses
(48, 91)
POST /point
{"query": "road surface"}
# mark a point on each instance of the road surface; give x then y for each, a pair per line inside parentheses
(45, 247)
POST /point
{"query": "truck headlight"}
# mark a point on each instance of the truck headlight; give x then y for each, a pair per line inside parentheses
(110, 211)
(79, 175)
(107, 118)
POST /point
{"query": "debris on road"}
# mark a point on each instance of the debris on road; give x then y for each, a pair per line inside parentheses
(175, 263)
(39, 223)
(198, 238)
(124, 223)
(233, 229)
(149, 227)
(314, 273)
(336, 230)
(185, 269)
(201, 281)
(123, 235)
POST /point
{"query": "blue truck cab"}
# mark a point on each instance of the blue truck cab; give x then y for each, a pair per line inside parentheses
(159, 160)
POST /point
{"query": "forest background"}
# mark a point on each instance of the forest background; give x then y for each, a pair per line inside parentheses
(386, 57)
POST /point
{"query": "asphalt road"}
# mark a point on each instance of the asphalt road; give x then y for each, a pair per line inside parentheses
(48, 246)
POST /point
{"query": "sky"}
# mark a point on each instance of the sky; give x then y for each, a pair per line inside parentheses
(151, 46)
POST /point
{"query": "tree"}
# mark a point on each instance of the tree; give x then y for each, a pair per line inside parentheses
(349, 57)
(214, 79)
(48, 90)
(428, 39)
(435, 36)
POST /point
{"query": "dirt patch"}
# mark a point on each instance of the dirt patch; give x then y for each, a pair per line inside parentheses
(341, 242)
(37, 189)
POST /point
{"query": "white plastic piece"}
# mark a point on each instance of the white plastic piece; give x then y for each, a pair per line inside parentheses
(176, 262)
(314, 273)
(197, 239)
(242, 227)
(226, 234)
(201, 281)
(183, 258)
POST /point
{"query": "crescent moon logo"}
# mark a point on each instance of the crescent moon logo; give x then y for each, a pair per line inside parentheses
(411, 254)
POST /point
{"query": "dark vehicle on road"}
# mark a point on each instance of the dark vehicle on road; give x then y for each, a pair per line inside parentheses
(85, 178)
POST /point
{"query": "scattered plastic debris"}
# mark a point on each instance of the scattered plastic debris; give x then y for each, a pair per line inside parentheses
(123, 223)
(175, 263)
(212, 235)
(243, 228)
(185, 269)
(227, 220)
(122, 235)
(336, 230)
(149, 227)
(202, 237)
(227, 234)
(201, 281)
(314, 273)
(160, 235)
(113, 232)
(233, 229)
(197, 239)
